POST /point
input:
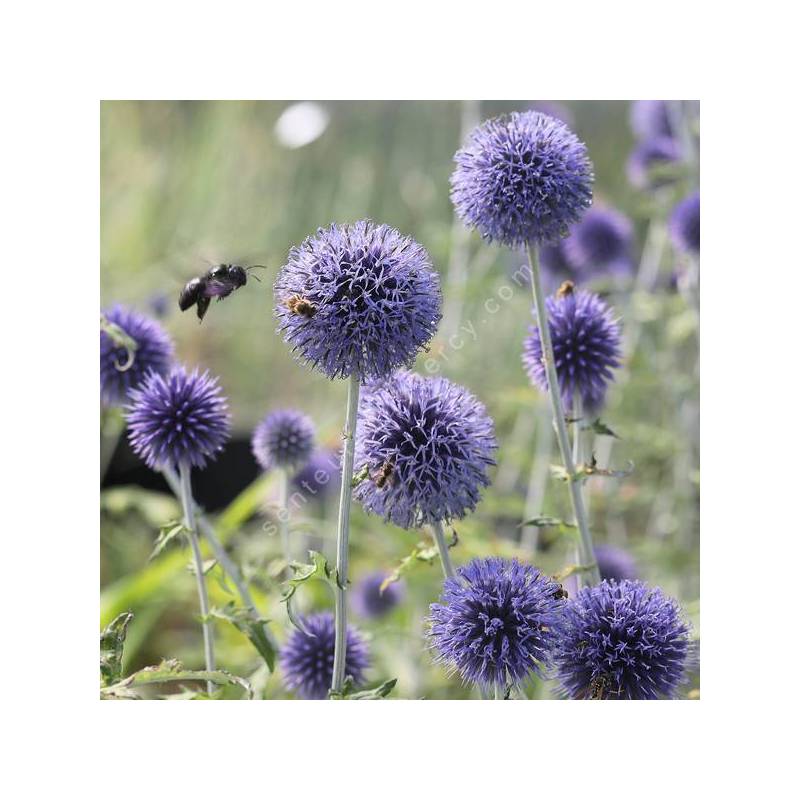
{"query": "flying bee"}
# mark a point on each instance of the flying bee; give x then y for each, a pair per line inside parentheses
(384, 475)
(300, 306)
(220, 281)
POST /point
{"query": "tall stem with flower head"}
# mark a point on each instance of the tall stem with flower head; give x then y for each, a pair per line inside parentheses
(343, 533)
(585, 549)
(444, 552)
(189, 523)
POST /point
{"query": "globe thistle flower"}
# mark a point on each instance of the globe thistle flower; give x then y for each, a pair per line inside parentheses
(153, 353)
(178, 420)
(496, 622)
(586, 346)
(284, 439)
(621, 641)
(650, 155)
(650, 119)
(600, 243)
(684, 225)
(522, 178)
(368, 599)
(307, 657)
(615, 564)
(320, 475)
(426, 444)
(357, 299)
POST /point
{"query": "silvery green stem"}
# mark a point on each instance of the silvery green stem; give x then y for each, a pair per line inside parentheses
(343, 533)
(537, 485)
(283, 512)
(444, 552)
(498, 692)
(189, 523)
(228, 564)
(586, 550)
(577, 457)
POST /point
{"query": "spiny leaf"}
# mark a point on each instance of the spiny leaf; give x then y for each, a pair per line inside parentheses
(166, 534)
(378, 693)
(252, 626)
(112, 641)
(169, 671)
(318, 569)
(422, 551)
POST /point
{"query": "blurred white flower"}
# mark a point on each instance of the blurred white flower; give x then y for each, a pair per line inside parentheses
(300, 124)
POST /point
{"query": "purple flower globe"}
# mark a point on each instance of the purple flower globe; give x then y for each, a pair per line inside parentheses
(615, 564)
(650, 119)
(586, 344)
(600, 244)
(283, 439)
(358, 298)
(307, 660)
(320, 475)
(522, 178)
(621, 641)
(684, 225)
(180, 419)
(496, 622)
(153, 353)
(426, 444)
(650, 157)
(372, 603)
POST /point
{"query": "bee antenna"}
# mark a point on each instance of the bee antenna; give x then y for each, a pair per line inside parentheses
(255, 266)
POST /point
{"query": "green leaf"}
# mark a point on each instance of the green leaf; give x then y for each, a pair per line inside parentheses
(318, 569)
(166, 534)
(207, 566)
(112, 641)
(252, 626)
(423, 551)
(360, 476)
(378, 693)
(601, 429)
(169, 671)
(121, 339)
(547, 522)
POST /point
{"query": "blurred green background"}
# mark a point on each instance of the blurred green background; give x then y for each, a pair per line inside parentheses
(184, 184)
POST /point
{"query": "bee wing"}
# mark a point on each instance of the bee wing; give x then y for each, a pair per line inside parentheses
(216, 288)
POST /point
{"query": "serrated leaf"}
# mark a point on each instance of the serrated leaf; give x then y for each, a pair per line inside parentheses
(166, 534)
(252, 626)
(378, 693)
(318, 569)
(422, 551)
(112, 642)
(169, 671)
(601, 429)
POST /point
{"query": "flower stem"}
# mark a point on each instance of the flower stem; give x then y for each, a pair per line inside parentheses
(189, 523)
(444, 552)
(586, 550)
(227, 563)
(343, 534)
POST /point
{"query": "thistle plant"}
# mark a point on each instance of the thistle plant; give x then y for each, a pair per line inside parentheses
(373, 600)
(600, 244)
(355, 302)
(181, 421)
(424, 446)
(523, 180)
(283, 440)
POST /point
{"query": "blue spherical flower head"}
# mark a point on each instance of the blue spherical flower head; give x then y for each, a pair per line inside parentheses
(426, 444)
(496, 622)
(368, 599)
(307, 660)
(320, 475)
(650, 119)
(359, 299)
(615, 564)
(684, 225)
(600, 244)
(586, 344)
(650, 159)
(283, 439)
(621, 641)
(180, 419)
(522, 178)
(153, 354)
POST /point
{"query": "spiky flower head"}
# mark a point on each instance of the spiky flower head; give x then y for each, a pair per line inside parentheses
(307, 657)
(684, 225)
(368, 599)
(358, 298)
(614, 563)
(426, 444)
(650, 118)
(181, 418)
(320, 475)
(496, 622)
(648, 164)
(621, 641)
(586, 345)
(600, 244)
(522, 178)
(154, 352)
(284, 438)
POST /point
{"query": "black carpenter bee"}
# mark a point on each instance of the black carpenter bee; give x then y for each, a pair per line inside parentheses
(220, 281)
(560, 593)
